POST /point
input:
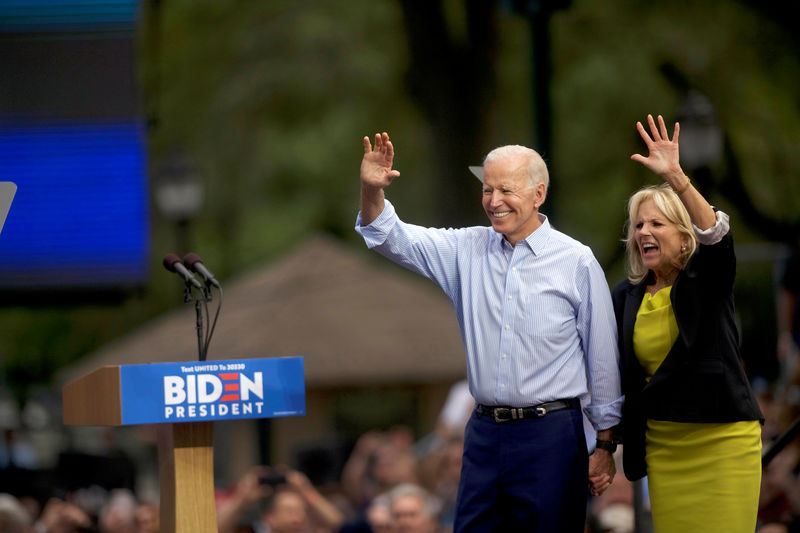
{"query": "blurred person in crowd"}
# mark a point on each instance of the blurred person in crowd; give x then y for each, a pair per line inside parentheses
(413, 509)
(535, 314)
(118, 514)
(292, 503)
(691, 424)
(440, 472)
(286, 513)
(376, 518)
(16, 450)
(14, 518)
(147, 517)
(378, 462)
(60, 516)
(379, 514)
(234, 506)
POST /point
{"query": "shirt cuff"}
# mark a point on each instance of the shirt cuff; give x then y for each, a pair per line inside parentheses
(375, 233)
(715, 233)
(605, 416)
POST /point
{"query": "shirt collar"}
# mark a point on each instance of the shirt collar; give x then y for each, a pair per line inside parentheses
(536, 240)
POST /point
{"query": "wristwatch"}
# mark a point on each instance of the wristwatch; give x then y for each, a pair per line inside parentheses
(608, 445)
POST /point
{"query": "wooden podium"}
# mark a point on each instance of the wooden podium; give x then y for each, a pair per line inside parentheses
(185, 399)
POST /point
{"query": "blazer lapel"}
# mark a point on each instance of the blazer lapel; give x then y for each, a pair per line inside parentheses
(633, 299)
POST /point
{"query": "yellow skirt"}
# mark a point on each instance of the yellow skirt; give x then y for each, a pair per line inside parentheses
(703, 477)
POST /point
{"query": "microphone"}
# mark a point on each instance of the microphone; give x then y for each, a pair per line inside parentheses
(173, 263)
(193, 261)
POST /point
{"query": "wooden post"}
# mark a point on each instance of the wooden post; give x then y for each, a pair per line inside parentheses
(186, 473)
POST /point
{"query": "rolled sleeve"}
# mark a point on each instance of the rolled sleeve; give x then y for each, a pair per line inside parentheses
(605, 416)
(715, 233)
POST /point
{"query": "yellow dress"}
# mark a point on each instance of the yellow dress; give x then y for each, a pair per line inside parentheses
(701, 477)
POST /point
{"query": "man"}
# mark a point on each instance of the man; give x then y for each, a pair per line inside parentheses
(535, 315)
(287, 512)
(413, 509)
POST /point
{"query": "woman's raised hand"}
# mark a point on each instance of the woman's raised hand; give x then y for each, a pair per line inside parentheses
(663, 158)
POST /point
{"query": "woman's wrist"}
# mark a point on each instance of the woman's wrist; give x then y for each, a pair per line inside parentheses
(678, 181)
(682, 188)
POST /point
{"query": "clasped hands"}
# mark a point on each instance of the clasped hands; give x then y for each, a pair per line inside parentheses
(602, 470)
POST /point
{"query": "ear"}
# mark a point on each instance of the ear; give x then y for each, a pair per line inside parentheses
(540, 193)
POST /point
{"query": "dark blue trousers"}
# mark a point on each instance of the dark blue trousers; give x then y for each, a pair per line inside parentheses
(524, 476)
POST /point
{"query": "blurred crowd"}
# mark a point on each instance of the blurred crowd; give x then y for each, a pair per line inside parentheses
(391, 482)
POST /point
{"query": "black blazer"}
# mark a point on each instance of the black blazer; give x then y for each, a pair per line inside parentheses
(701, 379)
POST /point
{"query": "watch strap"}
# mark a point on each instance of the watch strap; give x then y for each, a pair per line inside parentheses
(606, 445)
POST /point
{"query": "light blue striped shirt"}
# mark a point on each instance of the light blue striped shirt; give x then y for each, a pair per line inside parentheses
(536, 318)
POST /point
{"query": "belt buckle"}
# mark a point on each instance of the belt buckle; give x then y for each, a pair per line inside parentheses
(497, 418)
(541, 411)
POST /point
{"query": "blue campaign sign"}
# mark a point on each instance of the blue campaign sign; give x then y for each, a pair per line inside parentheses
(212, 390)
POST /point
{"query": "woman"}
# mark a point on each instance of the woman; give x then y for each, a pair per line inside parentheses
(690, 423)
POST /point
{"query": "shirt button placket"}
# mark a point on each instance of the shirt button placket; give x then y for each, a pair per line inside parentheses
(506, 335)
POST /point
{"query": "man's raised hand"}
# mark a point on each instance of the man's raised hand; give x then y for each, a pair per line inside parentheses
(376, 166)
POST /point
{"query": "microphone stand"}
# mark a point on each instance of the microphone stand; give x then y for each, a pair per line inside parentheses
(173, 263)
(201, 352)
(188, 297)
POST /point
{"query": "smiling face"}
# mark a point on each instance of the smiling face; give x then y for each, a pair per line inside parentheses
(509, 200)
(658, 240)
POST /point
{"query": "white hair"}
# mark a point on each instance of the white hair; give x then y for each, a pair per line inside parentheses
(430, 503)
(535, 169)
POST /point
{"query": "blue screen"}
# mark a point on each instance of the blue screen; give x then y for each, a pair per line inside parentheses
(66, 15)
(80, 214)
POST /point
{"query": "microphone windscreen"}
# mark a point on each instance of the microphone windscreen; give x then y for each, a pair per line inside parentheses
(170, 260)
(190, 259)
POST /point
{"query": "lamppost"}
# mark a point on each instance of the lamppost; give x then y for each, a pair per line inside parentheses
(539, 13)
(179, 194)
(700, 136)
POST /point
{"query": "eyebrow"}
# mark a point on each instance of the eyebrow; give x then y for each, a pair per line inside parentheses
(504, 185)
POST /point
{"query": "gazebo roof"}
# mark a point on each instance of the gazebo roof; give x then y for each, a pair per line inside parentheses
(354, 321)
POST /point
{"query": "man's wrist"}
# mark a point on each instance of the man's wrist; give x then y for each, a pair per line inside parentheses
(608, 445)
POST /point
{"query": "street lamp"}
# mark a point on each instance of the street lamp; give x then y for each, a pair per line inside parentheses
(179, 193)
(539, 13)
(700, 136)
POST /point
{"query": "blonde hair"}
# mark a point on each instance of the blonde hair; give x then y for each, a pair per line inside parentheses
(673, 209)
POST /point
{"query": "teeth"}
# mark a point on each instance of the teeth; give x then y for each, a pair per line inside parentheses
(501, 214)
